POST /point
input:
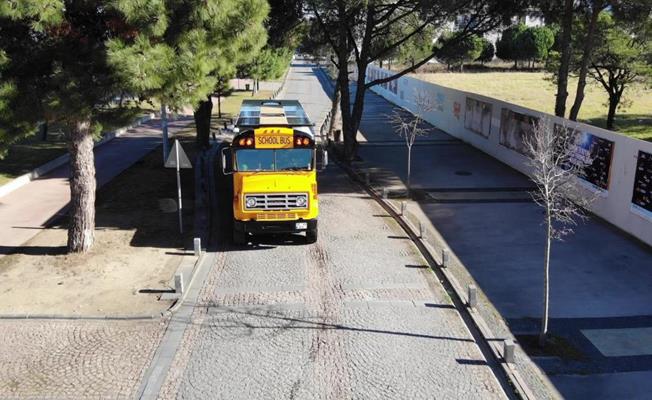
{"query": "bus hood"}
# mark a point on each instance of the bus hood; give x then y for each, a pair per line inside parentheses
(263, 183)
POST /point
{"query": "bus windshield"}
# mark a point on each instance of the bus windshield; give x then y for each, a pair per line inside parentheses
(274, 160)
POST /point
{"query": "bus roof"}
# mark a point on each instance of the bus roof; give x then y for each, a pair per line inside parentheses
(258, 113)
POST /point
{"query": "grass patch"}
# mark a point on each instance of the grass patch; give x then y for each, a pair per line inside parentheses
(27, 155)
(533, 90)
(555, 346)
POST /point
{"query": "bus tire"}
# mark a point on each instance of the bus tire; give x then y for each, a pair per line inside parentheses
(311, 235)
(239, 238)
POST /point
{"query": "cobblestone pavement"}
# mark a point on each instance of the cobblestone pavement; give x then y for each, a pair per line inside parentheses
(43, 359)
(357, 315)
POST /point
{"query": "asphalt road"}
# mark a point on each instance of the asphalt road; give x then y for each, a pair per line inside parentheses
(356, 315)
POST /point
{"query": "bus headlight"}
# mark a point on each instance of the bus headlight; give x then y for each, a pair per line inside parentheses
(302, 200)
(250, 202)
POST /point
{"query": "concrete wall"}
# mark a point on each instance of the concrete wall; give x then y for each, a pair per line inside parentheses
(614, 203)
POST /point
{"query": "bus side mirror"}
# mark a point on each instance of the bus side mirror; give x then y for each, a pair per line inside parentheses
(322, 159)
(227, 161)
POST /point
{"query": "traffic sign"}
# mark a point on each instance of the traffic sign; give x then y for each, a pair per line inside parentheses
(177, 156)
(178, 159)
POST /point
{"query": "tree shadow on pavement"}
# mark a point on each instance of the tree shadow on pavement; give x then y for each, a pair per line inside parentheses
(282, 322)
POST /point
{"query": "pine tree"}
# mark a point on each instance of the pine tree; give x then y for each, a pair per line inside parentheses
(56, 68)
(64, 61)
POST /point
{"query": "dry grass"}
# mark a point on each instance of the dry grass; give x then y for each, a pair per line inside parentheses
(533, 90)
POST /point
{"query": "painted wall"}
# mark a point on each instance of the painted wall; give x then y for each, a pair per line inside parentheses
(621, 175)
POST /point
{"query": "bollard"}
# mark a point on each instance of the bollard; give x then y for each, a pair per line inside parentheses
(403, 207)
(367, 178)
(445, 257)
(178, 283)
(508, 351)
(422, 231)
(197, 244)
(385, 193)
(473, 296)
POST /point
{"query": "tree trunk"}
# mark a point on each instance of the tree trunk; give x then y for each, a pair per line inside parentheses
(345, 106)
(546, 282)
(334, 108)
(203, 122)
(351, 131)
(614, 99)
(381, 63)
(409, 170)
(584, 66)
(515, 64)
(81, 227)
(219, 105)
(43, 131)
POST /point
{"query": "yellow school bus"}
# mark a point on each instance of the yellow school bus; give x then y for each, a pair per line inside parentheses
(274, 161)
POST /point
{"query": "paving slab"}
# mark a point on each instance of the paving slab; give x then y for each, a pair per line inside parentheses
(618, 386)
(621, 342)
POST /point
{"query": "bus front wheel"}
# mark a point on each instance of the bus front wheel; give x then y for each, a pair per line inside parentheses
(311, 235)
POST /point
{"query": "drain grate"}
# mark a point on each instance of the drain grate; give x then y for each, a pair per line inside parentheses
(463, 173)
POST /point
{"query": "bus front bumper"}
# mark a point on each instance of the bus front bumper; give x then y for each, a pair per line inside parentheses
(268, 227)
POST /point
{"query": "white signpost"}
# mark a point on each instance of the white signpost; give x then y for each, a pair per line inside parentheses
(178, 159)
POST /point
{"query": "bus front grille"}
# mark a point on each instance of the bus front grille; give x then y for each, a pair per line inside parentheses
(276, 201)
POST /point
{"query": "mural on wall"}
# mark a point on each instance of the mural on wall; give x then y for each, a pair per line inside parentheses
(514, 128)
(591, 147)
(477, 117)
(373, 74)
(642, 196)
(440, 100)
(457, 109)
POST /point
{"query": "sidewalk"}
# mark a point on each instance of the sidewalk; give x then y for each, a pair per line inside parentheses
(26, 210)
(601, 279)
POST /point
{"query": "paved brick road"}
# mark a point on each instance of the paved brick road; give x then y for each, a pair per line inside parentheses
(74, 359)
(354, 316)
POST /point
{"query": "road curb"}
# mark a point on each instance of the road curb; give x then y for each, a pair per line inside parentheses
(157, 370)
(283, 82)
(61, 160)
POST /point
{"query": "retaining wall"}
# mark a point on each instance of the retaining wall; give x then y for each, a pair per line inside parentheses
(621, 173)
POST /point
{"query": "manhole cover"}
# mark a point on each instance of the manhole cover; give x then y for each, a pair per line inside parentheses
(463, 173)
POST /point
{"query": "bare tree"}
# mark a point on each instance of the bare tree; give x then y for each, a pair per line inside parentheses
(410, 126)
(556, 165)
